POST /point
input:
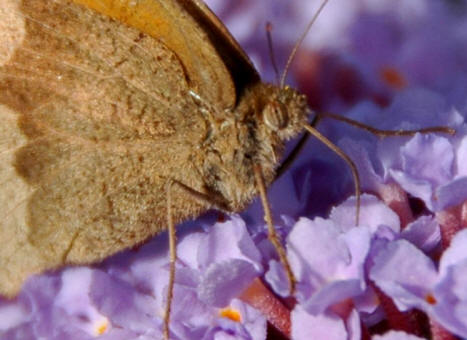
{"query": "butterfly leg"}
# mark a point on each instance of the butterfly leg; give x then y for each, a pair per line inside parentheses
(211, 200)
(292, 156)
(347, 159)
(272, 235)
(202, 198)
(173, 258)
(387, 133)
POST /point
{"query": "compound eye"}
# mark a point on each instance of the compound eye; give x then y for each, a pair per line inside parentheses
(275, 115)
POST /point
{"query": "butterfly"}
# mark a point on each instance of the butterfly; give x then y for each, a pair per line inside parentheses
(105, 103)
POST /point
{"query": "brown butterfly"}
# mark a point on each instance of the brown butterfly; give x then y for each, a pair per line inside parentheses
(105, 103)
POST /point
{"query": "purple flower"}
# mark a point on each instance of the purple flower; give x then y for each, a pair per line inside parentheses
(76, 306)
(327, 262)
(331, 258)
(424, 233)
(250, 326)
(412, 280)
(326, 325)
(227, 261)
(393, 45)
(383, 161)
(117, 302)
(15, 319)
(396, 335)
(213, 269)
(384, 224)
(429, 171)
(374, 214)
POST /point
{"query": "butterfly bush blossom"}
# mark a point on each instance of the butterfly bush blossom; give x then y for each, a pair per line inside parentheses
(400, 274)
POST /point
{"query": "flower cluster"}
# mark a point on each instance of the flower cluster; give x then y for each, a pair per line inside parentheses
(400, 274)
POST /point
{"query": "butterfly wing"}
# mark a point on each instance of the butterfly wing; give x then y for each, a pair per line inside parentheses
(97, 118)
(216, 66)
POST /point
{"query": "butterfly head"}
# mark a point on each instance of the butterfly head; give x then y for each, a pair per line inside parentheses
(284, 113)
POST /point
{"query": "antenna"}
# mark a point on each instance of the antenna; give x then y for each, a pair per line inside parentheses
(271, 50)
(300, 41)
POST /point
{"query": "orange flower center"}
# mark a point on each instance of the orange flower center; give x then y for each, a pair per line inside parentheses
(393, 77)
(231, 313)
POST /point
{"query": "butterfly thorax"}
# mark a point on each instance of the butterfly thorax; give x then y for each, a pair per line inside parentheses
(252, 133)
